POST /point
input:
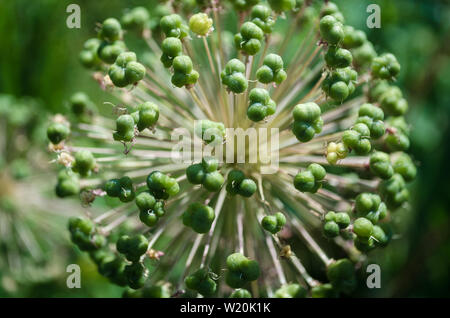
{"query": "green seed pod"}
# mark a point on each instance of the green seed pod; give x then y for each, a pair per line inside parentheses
(148, 115)
(157, 291)
(330, 8)
(282, 5)
(379, 237)
(385, 66)
(184, 74)
(243, 5)
(330, 216)
(113, 268)
(404, 166)
(199, 217)
(311, 179)
(210, 132)
(373, 117)
(201, 282)
(331, 229)
(369, 205)
(363, 228)
(235, 177)
(272, 70)
(67, 185)
(307, 121)
(249, 39)
(337, 57)
(353, 38)
(108, 52)
(135, 19)
(380, 165)
(200, 24)
(162, 186)
(82, 107)
(261, 15)
(358, 139)
(213, 181)
(57, 132)
(241, 270)
(247, 188)
(291, 291)
(81, 224)
(111, 30)
(124, 128)
(342, 219)
(172, 25)
(394, 192)
(195, 174)
(233, 77)
(126, 70)
(340, 83)
(260, 105)
(398, 137)
(364, 245)
(331, 30)
(324, 291)
(336, 152)
(364, 55)
(84, 163)
(241, 293)
(88, 56)
(393, 103)
(135, 275)
(145, 201)
(342, 275)
(273, 223)
(132, 247)
(171, 48)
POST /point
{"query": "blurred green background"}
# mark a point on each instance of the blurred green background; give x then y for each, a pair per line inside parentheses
(39, 60)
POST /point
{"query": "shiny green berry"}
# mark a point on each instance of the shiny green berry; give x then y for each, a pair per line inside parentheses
(358, 139)
(136, 18)
(241, 293)
(111, 30)
(233, 77)
(84, 163)
(311, 179)
(404, 166)
(342, 275)
(338, 57)
(249, 38)
(291, 291)
(362, 227)
(241, 270)
(307, 121)
(201, 282)
(282, 5)
(272, 70)
(385, 66)
(331, 30)
(200, 24)
(57, 132)
(380, 165)
(124, 128)
(199, 217)
(135, 275)
(173, 26)
(67, 185)
(171, 48)
(261, 15)
(273, 223)
(394, 191)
